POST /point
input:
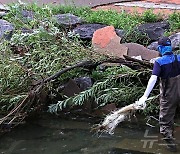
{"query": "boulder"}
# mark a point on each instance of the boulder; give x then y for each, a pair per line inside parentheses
(106, 41)
(71, 88)
(6, 29)
(154, 30)
(86, 31)
(175, 40)
(135, 49)
(68, 19)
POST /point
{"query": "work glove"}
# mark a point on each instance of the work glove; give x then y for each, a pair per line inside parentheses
(141, 103)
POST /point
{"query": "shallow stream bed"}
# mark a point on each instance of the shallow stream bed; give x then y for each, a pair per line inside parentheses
(54, 135)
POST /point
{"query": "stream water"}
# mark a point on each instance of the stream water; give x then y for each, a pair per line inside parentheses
(54, 135)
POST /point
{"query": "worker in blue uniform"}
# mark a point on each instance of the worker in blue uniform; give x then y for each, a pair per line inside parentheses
(167, 68)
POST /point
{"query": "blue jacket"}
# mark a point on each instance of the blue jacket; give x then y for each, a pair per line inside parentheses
(166, 66)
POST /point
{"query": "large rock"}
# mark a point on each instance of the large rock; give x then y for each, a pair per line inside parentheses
(6, 29)
(154, 30)
(135, 49)
(71, 88)
(68, 19)
(86, 31)
(175, 40)
(106, 41)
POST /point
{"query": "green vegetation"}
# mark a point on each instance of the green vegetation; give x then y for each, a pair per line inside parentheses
(174, 20)
(121, 20)
(29, 57)
(149, 16)
(113, 88)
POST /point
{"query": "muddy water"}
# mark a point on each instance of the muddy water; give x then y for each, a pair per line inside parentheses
(49, 135)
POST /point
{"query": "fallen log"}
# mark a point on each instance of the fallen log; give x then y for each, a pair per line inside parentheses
(143, 63)
(92, 65)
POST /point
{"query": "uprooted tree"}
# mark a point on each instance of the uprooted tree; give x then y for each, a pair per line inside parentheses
(33, 65)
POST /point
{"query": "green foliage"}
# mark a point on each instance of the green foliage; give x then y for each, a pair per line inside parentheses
(9, 101)
(149, 16)
(119, 89)
(120, 85)
(37, 15)
(47, 49)
(174, 20)
(81, 98)
(36, 55)
(11, 75)
(118, 20)
(13, 82)
(110, 71)
(152, 105)
(79, 11)
(136, 37)
(49, 52)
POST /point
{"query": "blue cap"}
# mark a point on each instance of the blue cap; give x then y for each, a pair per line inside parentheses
(164, 41)
(164, 45)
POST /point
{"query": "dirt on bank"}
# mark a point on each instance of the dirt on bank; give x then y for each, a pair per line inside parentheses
(90, 3)
(107, 4)
(164, 12)
(164, 1)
